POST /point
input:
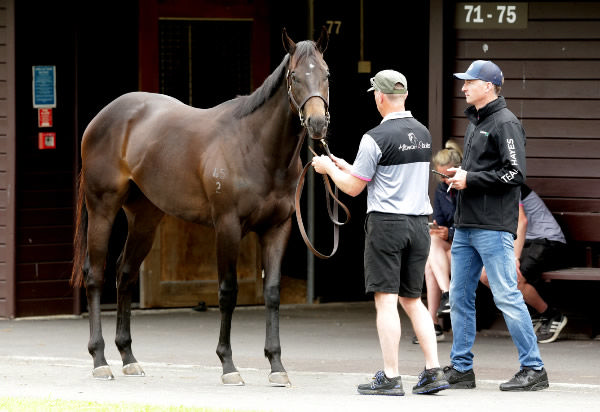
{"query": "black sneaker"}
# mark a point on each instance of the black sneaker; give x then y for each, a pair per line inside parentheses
(527, 379)
(536, 322)
(382, 385)
(431, 381)
(551, 328)
(459, 380)
(444, 308)
(439, 334)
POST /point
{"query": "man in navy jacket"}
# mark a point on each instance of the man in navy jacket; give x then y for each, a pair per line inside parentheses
(488, 184)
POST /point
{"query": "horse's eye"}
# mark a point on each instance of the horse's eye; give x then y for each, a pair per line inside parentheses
(294, 77)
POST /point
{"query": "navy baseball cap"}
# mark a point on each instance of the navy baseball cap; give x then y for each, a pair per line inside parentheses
(484, 70)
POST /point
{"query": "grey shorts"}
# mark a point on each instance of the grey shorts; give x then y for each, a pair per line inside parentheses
(396, 250)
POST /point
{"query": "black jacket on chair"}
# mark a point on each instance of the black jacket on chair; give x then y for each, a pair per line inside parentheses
(494, 157)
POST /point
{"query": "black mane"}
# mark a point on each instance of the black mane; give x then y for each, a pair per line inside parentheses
(249, 104)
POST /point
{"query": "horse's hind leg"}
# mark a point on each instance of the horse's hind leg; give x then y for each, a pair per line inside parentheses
(273, 246)
(142, 219)
(102, 210)
(228, 237)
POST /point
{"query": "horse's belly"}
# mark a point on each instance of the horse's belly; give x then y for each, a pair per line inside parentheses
(176, 198)
(271, 211)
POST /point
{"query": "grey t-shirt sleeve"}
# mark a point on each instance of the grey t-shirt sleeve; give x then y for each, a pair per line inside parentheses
(367, 158)
(540, 222)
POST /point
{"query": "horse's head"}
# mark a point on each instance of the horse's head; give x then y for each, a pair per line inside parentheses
(308, 83)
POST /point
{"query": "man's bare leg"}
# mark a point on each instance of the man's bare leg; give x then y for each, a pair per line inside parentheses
(388, 329)
(423, 326)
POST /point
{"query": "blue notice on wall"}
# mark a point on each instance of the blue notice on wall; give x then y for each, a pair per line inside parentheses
(44, 86)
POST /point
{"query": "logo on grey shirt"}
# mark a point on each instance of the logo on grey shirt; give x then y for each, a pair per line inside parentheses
(414, 143)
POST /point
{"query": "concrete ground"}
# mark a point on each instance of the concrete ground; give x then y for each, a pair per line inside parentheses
(327, 349)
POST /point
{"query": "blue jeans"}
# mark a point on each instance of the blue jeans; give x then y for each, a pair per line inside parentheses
(471, 250)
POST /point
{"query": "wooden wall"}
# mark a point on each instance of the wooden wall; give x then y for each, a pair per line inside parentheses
(552, 84)
(94, 50)
(44, 178)
(7, 158)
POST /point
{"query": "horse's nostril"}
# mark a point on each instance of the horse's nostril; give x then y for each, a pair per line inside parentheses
(318, 124)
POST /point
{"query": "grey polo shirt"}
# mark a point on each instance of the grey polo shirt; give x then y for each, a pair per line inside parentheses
(394, 160)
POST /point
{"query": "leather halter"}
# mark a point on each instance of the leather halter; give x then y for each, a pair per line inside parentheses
(300, 107)
(332, 210)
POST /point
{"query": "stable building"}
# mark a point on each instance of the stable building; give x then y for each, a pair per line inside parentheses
(59, 65)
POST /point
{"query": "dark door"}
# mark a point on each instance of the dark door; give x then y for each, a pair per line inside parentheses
(202, 61)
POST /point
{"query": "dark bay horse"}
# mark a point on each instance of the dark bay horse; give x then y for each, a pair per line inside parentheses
(234, 167)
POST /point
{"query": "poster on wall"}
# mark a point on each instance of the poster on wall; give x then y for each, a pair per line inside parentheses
(45, 117)
(44, 86)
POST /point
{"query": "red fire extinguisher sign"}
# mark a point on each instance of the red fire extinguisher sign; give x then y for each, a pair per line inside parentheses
(46, 140)
(45, 117)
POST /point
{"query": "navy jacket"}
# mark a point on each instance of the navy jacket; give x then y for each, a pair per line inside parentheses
(444, 206)
(494, 157)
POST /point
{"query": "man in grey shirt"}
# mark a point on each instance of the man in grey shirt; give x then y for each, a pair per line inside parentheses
(393, 164)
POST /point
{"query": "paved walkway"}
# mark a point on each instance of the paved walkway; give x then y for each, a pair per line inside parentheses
(327, 349)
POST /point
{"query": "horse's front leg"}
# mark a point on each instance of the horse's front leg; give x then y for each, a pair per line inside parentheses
(273, 245)
(228, 237)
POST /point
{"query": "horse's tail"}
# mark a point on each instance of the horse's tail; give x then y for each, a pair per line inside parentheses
(80, 240)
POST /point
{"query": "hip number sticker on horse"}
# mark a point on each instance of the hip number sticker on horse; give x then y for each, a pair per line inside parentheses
(218, 174)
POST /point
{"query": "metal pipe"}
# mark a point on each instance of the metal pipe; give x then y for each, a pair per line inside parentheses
(362, 31)
(310, 201)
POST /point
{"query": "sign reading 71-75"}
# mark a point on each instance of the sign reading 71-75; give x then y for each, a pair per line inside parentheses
(491, 16)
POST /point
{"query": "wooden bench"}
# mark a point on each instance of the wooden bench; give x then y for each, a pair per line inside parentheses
(582, 230)
(574, 273)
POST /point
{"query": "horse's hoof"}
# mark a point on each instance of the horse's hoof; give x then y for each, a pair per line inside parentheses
(103, 372)
(232, 379)
(133, 369)
(279, 379)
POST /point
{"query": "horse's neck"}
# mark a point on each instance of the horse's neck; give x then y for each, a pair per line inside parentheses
(281, 134)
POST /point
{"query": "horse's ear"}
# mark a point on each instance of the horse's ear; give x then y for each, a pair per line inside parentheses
(323, 40)
(288, 44)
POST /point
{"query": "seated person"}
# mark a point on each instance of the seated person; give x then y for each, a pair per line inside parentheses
(540, 246)
(437, 268)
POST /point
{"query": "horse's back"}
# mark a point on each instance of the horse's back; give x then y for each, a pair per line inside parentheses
(124, 111)
(158, 143)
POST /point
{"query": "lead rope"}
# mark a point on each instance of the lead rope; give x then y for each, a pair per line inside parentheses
(332, 211)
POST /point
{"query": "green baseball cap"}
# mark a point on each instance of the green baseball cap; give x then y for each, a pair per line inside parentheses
(385, 80)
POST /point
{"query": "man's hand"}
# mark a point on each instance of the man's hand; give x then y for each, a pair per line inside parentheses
(343, 165)
(518, 264)
(459, 180)
(339, 172)
(441, 232)
(322, 164)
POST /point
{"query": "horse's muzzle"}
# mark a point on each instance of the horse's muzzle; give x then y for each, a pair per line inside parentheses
(317, 126)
